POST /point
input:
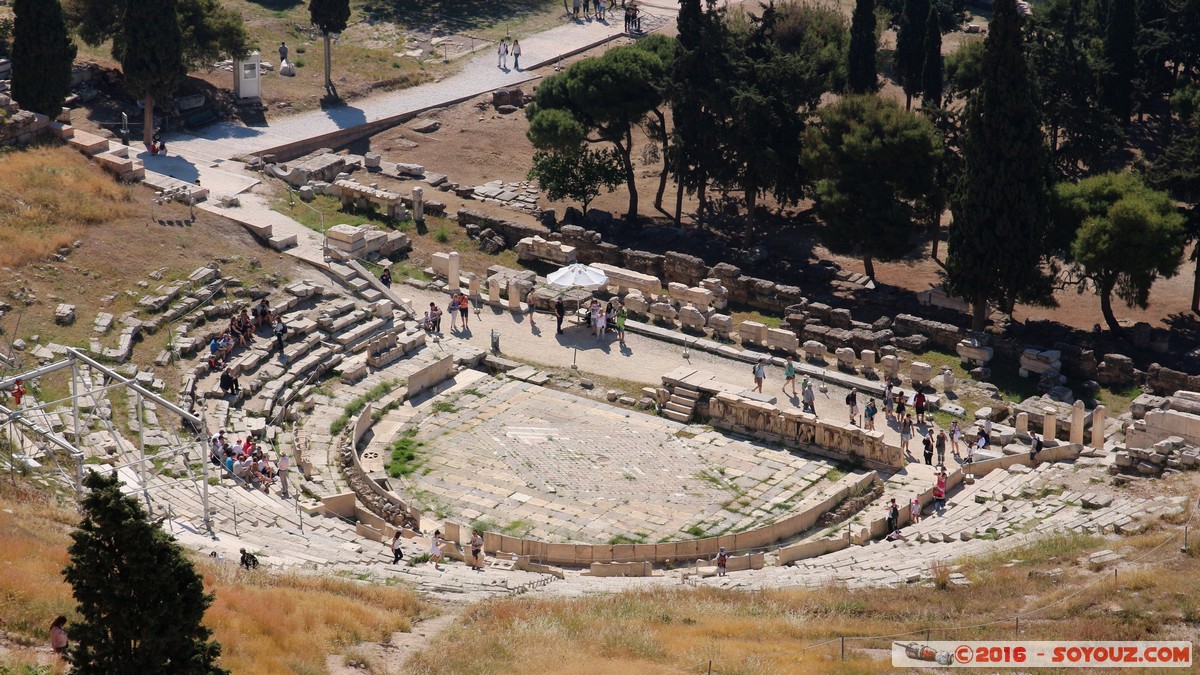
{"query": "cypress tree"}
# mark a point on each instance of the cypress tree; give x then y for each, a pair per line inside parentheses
(153, 57)
(1001, 207)
(910, 48)
(861, 74)
(140, 599)
(931, 70)
(42, 55)
(1120, 35)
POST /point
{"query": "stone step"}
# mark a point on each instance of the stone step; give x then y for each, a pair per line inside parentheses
(679, 408)
(676, 416)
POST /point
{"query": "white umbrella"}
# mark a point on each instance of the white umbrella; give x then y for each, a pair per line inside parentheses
(578, 275)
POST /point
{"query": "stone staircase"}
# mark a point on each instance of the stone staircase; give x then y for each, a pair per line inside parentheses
(682, 403)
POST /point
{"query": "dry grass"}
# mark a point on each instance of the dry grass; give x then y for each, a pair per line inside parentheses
(49, 196)
(265, 623)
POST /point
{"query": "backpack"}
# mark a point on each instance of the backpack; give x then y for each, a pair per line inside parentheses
(847, 399)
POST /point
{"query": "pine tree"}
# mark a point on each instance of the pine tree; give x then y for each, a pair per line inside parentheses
(331, 16)
(42, 55)
(140, 599)
(1120, 32)
(931, 70)
(910, 48)
(1001, 208)
(861, 74)
(153, 56)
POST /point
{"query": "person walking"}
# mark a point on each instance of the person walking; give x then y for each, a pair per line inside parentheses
(810, 399)
(464, 307)
(1035, 448)
(531, 302)
(906, 429)
(914, 511)
(516, 54)
(940, 444)
(397, 552)
(888, 402)
(477, 550)
(789, 375)
(760, 374)
(927, 443)
(560, 311)
(919, 404)
(955, 437)
(852, 402)
(58, 636)
(283, 52)
(281, 470)
(502, 56)
(893, 517)
(435, 550)
(722, 561)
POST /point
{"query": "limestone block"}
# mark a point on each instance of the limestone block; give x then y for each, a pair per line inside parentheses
(972, 353)
(814, 351)
(784, 340)
(494, 290)
(845, 358)
(1022, 423)
(473, 286)
(1037, 363)
(947, 379)
(1077, 416)
(636, 303)
(64, 314)
(440, 262)
(690, 317)
(867, 357)
(454, 263)
(720, 293)
(1049, 423)
(677, 291)
(1098, 419)
(722, 326)
(663, 311)
(701, 297)
(514, 295)
(891, 365)
(752, 332)
(920, 373)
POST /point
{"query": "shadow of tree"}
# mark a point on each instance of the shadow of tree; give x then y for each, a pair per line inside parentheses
(451, 16)
(276, 5)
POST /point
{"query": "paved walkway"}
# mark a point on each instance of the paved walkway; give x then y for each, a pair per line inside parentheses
(478, 76)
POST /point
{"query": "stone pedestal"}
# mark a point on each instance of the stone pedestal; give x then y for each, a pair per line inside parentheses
(514, 295)
(473, 287)
(1022, 423)
(867, 357)
(920, 373)
(1098, 418)
(418, 199)
(1049, 423)
(494, 291)
(1077, 415)
(947, 380)
(890, 365)
(452, 279)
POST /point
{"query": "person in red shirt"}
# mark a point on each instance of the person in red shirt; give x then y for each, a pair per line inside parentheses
(18, 391)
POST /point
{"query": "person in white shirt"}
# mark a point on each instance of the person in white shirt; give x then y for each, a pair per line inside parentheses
(281, 470)
(502, 55)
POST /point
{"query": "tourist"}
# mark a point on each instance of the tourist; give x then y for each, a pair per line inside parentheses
(869, 413)
(452, 308)
(531, 302)
(906, 431)
(435, 318)
(435, 550)
(262, 313)
(1035, 447)
(893, 517)
(955, 437)
(901, 408)
(810, 400)
(852, 402)
(575, 9)
(940, 444)
(888, 403)
(939, 492)
(58, 636)
(464, 305)
(599, 10)
(397, 552)
(283, 52)
(927, 443)
(622, 317)
(516, 54)
(610, 317)
(760, 374)
(477, 550)
(281, 470)
(914, 511)
(386, 277)
(722, 561)
(502, 56)
(971, 448)
(230, 464)
(229, 383)
(249, 560)
(560, 310)
(919, 404)
(280, 331)
(789, 375)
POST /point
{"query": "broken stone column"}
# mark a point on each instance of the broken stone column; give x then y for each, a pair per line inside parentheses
(1049, 423)
(891, 365)
(1022, 423)
(452, 280)
(867, 357)
(1077, 414)
(493, 290)
(1098, 418)
(418, 199)
(514, 295)
(473, 287)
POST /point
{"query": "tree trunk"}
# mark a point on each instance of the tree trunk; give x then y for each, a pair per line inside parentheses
(979, 314)
(626, 151)
(1196, 283)
(907, 101)
(679, 204)
(148, 121)
(662, 177)
(1107, 311)
(328, 67)
(869, 266)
